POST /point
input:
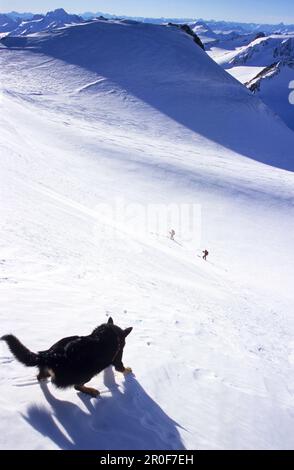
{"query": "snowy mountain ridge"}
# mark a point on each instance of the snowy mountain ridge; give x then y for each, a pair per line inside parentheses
(256, 61)
(268, 73)
(265, 48)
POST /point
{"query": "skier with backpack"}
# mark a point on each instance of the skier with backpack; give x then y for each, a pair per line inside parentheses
(172, 234)
(205, 254)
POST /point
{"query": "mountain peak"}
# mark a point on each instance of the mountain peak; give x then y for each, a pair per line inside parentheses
(59, 12)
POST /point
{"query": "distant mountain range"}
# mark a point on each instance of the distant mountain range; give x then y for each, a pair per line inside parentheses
(210, 28)
(216, 26)
(25, 23)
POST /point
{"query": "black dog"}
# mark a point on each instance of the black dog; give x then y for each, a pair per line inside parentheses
(74, 361)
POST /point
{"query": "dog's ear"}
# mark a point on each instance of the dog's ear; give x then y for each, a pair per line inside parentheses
(110, 321)
(127, 331)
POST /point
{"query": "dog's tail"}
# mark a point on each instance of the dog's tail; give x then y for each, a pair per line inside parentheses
(22, 354)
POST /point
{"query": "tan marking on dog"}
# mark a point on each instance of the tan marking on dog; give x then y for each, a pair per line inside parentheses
(51, 372)
(88, 390)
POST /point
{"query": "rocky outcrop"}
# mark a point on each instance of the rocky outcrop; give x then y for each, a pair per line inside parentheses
(186, 28)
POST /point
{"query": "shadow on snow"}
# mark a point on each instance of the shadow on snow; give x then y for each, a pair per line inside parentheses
(123, 421)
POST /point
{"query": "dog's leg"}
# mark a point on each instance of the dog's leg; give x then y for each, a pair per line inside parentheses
(121, 368)
(43, 374)
(88, 390)
(118, 364)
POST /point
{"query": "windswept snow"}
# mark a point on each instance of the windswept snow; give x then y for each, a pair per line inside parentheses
(110, 111)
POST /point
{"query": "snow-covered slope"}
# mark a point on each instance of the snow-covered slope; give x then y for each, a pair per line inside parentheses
(273, 85)
(272, 82)
(186, 87)
(52, 20)
(265, 50)
(119, 114)
(247, 50)
(265, 66)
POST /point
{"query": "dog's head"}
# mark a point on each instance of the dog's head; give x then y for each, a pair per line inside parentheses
(120, 336)
(119, 332)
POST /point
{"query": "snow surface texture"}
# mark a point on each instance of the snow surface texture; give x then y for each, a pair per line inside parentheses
(101, 111)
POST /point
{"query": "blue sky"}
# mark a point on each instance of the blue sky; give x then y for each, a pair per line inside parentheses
(271, 11)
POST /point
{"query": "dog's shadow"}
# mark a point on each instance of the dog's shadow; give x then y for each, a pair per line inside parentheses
(127, 419)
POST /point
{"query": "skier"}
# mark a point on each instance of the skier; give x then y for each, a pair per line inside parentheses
(172, 234)
(205, 254)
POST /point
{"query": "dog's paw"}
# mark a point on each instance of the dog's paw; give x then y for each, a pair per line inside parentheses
(88, 390)
(127, 371)
(93, 392)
